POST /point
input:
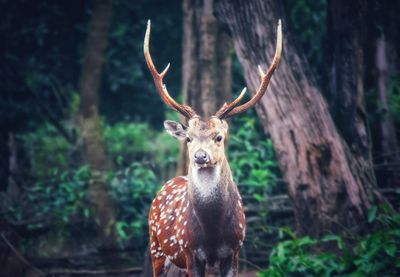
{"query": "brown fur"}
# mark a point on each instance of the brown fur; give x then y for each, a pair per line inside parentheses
(191, 228)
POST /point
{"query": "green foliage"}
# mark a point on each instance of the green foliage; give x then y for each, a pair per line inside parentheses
(128, 140)
(55, 199)
(375, 254)
(142, 158)
(165, 150)
(133, 142)
(251, 157)
(133, 188)
(46, 147)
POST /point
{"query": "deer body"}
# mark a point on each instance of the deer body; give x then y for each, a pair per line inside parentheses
(198, 220)
(205, 234)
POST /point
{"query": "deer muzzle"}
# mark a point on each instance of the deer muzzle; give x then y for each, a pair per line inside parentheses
(201, 158)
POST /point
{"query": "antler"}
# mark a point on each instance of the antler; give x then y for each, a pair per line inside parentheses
(158, 80)
(228, 110)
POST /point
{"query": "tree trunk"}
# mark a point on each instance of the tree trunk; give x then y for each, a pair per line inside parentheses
(93, 147)
(383, 66)
(390, 156)
(206, 63)
(329, 187)
(346, 31)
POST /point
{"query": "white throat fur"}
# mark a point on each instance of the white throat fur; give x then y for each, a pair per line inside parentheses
(206, 181)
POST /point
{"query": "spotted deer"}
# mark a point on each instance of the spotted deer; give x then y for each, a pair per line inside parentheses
(198, 220)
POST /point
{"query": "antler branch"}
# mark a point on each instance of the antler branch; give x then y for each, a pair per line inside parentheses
(228, 110)
(158, 79)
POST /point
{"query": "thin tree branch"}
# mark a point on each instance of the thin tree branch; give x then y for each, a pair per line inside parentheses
(21, 257)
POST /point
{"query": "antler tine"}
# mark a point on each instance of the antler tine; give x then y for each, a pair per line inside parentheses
(265, 77)
(226, 108)
(158, 79)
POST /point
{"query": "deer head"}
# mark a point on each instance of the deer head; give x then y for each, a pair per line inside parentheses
(205, 140)
(205, 137)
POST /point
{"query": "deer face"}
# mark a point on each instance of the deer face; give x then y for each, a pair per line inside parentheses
(205, 140)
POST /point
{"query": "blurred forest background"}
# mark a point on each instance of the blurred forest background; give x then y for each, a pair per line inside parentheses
(83, 151)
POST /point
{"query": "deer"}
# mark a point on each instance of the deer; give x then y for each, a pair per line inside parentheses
(197, 221)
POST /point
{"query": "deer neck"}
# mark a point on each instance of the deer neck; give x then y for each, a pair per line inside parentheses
(210, 184)
(209, 194)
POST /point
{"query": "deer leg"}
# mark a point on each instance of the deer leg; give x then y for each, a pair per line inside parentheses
(157, 258)
(195, 267)
(158, 266)
(229, 266)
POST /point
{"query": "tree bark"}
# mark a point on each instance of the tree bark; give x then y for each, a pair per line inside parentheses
(383, 67)
(93, 147)
(346, 31)
(390, 155)
(330, 189)
(206, 81)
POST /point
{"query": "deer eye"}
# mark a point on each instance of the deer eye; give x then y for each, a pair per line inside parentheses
(218, 138)
(188, 139)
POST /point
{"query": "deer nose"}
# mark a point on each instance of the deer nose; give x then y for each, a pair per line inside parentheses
(201, 157)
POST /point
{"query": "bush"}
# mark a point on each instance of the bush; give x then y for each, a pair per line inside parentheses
(45, 146)
(375, 254)
(133, 189)
(142, 159)
(252, 159)
(55, 199)
(129, 143)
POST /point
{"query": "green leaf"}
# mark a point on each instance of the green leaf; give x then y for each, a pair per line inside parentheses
(372, 214)
(390, 249)
(305, 241)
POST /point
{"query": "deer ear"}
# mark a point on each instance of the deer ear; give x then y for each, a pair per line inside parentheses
(175, 129)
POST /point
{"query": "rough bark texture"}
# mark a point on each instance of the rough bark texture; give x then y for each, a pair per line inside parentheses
(346, 30)
(383, 61)
(330, 189)
(390, 155)
(206, 63)
(93, 148)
